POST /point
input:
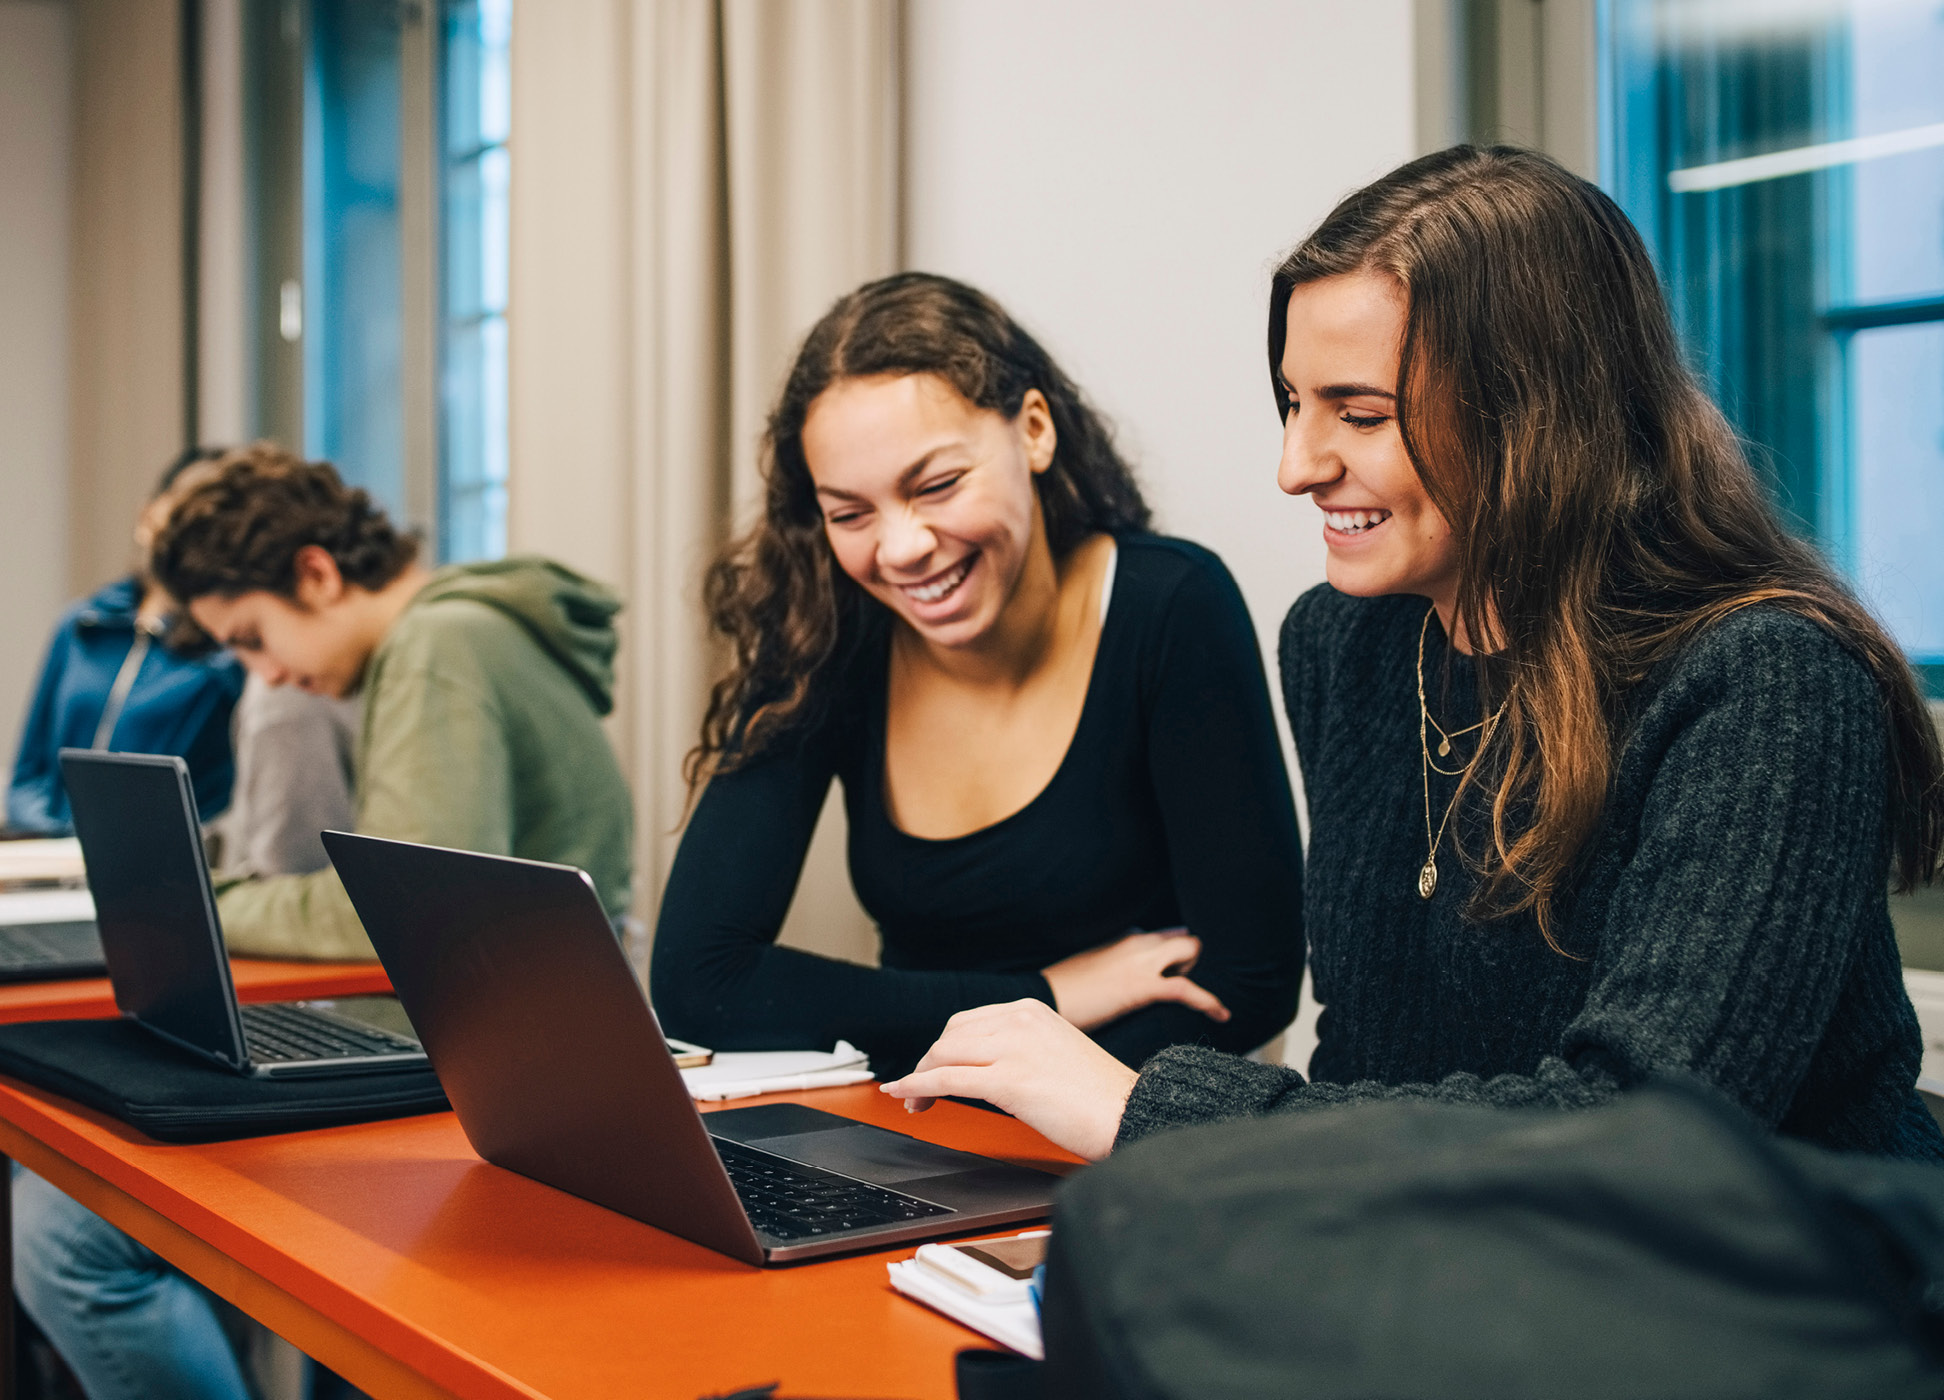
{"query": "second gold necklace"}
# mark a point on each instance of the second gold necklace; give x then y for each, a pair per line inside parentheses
(1427, 880)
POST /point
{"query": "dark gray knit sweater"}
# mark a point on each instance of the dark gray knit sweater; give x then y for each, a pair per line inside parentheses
(1729, 917)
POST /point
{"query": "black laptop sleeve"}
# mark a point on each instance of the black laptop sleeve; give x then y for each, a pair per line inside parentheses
(1664, 1247)
(122, 1070)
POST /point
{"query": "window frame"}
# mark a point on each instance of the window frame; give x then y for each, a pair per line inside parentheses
(1815, 482)
(282, 142)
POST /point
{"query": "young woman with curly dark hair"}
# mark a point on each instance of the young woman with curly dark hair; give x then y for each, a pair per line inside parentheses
(1051, 726)
(1607, 775)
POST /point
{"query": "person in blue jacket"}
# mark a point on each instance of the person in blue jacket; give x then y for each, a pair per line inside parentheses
(126, 670)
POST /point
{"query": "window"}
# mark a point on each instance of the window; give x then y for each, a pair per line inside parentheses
(378, 171)
(352, 334)
(1785, 162)
(473, 178)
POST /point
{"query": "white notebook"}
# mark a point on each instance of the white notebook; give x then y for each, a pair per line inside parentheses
(743, 1074)
(1007, 1314)
(45, 906)
(46, 860)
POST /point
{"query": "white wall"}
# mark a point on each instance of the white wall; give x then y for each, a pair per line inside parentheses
(1122, 175)
(35, 89)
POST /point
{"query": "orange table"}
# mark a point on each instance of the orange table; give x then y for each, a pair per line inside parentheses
(87, 998)
(256, 979)
(399, 1259)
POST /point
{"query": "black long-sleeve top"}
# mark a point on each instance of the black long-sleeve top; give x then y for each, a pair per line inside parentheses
(1171, 807)
(1728, 919)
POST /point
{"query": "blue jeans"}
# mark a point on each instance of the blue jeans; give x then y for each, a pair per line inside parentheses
(130, 1324)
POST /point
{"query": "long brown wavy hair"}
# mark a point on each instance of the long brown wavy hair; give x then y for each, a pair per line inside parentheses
(1604, 511)
(777, 597)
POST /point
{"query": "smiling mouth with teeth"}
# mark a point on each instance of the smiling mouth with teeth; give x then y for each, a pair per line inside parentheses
(1355, 522)
(943, 587)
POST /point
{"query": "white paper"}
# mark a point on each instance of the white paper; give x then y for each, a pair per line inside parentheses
(1014, 1324)
(48, 858)
(45, 906)
(743, 1074)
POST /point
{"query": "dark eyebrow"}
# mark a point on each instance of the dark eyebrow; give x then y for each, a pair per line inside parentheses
(1355, 391)
(905, 477)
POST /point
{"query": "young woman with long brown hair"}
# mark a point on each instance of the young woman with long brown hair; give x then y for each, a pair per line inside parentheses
(1606, 772)
(1052, 727)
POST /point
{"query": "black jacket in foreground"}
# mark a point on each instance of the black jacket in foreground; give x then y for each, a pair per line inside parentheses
(1171, 807)
(1729, 918)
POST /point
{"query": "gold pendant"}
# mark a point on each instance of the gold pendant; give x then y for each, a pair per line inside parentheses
(1444, 748)
(1428, 879)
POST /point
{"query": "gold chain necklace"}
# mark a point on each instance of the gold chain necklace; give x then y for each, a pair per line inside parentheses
(1444, 738)
(1427, 881)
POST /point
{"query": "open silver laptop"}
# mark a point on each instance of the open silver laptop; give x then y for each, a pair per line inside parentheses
(136, 817)
(556, 1066)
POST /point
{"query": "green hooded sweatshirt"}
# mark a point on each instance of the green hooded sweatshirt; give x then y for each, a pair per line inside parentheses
(482, 731)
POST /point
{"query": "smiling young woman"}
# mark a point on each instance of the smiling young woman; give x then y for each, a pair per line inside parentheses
(1052, 728)
(1605, 771)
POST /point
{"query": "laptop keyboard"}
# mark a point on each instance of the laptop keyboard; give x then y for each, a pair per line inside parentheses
(789, 1201)
(282, 1033)
(48, 945)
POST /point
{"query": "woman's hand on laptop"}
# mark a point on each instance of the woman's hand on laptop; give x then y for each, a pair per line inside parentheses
(1026, 1058)
(1105, 983)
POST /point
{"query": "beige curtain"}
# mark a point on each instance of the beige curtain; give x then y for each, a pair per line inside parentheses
(694, 181)
(126, 308)
(813, 197)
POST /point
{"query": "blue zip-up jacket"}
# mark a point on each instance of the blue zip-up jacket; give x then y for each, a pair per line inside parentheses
(178, 705)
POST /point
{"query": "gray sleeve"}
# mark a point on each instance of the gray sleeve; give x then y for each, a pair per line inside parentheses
(294, 779)
(1192, 1084)
(1759, 850)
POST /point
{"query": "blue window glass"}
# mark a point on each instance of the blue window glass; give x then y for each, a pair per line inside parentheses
(1786, 165)
(474, 168)
(353, 410)
(352, 334)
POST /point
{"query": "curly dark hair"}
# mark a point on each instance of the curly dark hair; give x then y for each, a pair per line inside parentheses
(777, 595)
(239, 531)
(194, 455)
(179, 632)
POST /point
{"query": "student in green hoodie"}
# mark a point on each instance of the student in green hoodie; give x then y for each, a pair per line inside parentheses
(483, 684)
(483, 689)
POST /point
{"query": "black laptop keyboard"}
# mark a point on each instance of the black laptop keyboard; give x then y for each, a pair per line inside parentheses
(789, 1201)
(48, 945)
(282, 1033)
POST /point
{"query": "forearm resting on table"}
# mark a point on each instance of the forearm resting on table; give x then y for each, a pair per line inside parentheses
(1192, 1084)
(292, 916)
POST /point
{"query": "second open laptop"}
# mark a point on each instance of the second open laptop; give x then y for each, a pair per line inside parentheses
(47, 950)
(556, 1066)
(45, 934)
(156, 911)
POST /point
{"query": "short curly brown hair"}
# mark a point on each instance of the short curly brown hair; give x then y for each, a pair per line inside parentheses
(239, 532)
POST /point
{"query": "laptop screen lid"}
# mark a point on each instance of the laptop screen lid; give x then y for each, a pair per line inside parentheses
(540, 1034)
(142, 846)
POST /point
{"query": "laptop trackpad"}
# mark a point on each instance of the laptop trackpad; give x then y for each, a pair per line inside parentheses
(863, 1151)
